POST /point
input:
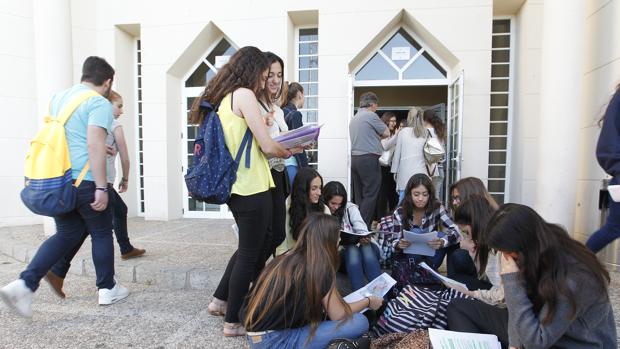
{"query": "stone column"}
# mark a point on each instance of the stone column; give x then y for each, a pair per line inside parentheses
(560, 106)
(53, 58)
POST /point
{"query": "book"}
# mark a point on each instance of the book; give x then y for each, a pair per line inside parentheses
(441, 278)
(299, 137)
(442, 339)
(378, 287)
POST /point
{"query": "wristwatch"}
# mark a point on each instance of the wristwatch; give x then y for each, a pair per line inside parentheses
(103, 189)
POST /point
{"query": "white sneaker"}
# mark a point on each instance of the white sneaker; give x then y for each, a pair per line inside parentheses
(18, 297)
(111, 296)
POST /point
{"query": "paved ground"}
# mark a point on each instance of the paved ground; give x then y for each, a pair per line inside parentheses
(171, 287)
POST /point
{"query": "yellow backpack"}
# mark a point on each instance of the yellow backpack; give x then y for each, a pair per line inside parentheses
(48, 186)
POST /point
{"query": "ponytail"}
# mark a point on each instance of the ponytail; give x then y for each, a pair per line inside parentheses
(290, 91)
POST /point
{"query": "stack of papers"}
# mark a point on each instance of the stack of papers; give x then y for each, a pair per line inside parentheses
(419, 243)
(378, 287)
(300, 137)
(442, 339)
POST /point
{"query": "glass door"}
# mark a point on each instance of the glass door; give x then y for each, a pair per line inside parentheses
(454, 127)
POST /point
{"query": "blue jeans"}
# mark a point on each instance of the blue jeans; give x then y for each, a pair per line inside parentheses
(119, 219)
(608, 232)
(70, 230)
(361, 261)
(292, 172)
(326, 331)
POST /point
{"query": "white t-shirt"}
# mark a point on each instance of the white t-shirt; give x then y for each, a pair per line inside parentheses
(111, 159)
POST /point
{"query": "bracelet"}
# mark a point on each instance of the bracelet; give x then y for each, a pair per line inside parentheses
(103, 189)
(368, 302)
(123, 179)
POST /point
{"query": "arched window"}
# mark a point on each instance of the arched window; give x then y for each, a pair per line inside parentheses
(401, 58)
(193, 87)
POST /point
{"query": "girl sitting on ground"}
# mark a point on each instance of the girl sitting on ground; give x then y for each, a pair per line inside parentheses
(305, 198)
(556, 290)
(360, 251)
(289, 303)
(420, 212)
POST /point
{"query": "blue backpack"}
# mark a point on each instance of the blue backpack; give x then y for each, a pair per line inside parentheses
(214, 171)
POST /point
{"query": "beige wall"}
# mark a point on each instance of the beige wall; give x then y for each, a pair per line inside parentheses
(18, 103)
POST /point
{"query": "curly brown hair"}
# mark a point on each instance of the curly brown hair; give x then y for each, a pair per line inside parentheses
(243, 70)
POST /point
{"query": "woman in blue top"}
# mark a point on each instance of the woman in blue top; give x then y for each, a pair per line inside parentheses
(608, 156)
(361, 257)
(419, 212)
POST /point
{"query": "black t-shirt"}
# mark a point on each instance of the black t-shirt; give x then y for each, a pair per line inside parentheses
(286, 314)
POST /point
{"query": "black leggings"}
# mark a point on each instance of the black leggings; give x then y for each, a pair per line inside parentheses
(253, 216)
(474, 316)
(278, 196)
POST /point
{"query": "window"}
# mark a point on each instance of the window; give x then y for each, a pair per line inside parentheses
(500, 109)
(194, 85)
(140, 137)
(308, 76)
(401, 58)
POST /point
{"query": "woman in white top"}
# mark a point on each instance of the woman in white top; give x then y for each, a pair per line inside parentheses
(408, 156)
(437, 128)
(274, 117)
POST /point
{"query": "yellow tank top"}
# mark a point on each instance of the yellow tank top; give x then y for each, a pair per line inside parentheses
(257, 178)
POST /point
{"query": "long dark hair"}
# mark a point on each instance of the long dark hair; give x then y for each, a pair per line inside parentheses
(300, 202)
(438, 125)
(244, 69)
(335, 188)
(408, 205)
(289, 92)
(546, 256)
(312, 263)
(271, 59)
(476, 212)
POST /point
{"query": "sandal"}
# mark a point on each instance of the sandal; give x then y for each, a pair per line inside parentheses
(216, 309)
(233, 330)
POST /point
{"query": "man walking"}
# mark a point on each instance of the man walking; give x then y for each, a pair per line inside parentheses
(366, 130)
(86, 131)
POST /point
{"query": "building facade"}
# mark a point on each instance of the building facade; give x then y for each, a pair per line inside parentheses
(521, 84)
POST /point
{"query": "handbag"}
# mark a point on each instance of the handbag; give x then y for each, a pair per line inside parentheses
(386, 157)
(434, 152)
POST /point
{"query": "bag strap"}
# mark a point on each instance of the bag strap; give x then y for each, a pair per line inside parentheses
(80, 178)
(246, 144)
(68, 110)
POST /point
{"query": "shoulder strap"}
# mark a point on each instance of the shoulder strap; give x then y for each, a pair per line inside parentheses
(82, 174)
(68, 110)
(246, 144)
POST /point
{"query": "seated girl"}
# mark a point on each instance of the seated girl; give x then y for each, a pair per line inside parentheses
(289, 304)
(472, 218)
(555, 289)
(420, 212)
(305, 198)
(360, 251)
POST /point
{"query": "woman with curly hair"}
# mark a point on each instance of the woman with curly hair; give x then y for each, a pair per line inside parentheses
(234, 88)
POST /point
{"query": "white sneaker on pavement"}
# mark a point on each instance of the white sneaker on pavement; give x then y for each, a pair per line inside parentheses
(18, 297)
(111, 296)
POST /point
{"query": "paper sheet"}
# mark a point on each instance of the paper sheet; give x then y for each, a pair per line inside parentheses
(441, 277)
(419, 243)
(300, 137)
(378, 287)
(442, 339)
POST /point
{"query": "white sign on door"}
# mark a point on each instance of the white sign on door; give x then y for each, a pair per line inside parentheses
(401, 53)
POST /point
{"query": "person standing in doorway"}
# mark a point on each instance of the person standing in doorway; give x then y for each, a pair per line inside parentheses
(366, 130)
(388, 198)
(86, 131)
(408, 159)
(608, 156)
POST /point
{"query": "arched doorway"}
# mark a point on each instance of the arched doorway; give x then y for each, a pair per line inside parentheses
(193, 84)
(404, 72)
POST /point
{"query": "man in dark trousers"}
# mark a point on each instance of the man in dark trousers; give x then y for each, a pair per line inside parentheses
(366, 130)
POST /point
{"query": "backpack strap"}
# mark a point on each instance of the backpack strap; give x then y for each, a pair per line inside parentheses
(80, 178)
(246, 144)
(68, 110)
